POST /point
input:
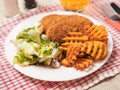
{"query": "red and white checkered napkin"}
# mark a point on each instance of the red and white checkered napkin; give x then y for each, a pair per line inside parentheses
(11, 79)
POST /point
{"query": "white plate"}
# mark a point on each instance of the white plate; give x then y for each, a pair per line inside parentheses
(44, 73)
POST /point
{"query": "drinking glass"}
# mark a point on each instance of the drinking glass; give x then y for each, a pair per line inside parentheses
(75, 5)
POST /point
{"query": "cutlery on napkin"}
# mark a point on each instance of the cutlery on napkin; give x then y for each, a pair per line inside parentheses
(112, 17)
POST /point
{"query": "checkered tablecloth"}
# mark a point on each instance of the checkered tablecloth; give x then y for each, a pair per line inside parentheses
(11, 79)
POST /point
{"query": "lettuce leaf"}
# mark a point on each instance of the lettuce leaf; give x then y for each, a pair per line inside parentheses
(31, 34)
(23, 58)
(34, 46)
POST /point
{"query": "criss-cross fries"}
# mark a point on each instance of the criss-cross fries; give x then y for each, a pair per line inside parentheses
(96, 32)
(82, 49)
(73, 38)
(83, 64)
(97, 49)
(72, 53)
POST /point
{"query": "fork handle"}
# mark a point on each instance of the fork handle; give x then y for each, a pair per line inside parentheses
(115, 24)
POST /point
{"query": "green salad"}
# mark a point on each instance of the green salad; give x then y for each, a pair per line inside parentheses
(33, 47)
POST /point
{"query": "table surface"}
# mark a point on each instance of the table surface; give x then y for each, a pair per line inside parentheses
(112, 83)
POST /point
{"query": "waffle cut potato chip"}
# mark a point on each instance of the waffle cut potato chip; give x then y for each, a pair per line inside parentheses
(83, 49)
(97, 49)
(65, 62)
(72, 53)
(73, 38)
(83, 64)
(98, 33)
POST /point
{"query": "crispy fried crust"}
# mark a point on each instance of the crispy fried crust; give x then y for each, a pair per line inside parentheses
(57, 26)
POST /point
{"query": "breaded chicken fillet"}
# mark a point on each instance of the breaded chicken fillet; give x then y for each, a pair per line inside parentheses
(56, 27)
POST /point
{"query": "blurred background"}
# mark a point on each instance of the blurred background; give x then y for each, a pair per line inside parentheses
(1, 10)
(9, 8)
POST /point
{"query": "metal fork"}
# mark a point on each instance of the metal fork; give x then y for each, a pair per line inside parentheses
(110, 13)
